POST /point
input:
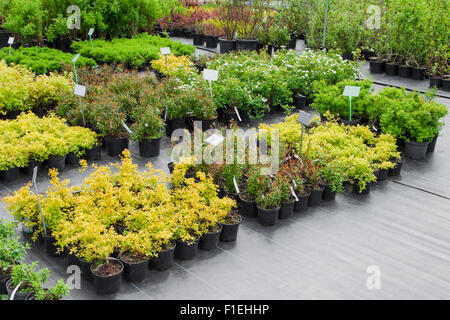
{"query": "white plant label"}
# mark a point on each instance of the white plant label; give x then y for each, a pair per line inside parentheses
(215, 139)
(235, 185)
(35, 170)
(91, 32)
(237, 113)
(165, 115)
(74, 60)
(295, 183)
(126, 128)
(11, 40)
(351, 91)
(210, 75)
(165, 51)
(80, 90)
(293, 193)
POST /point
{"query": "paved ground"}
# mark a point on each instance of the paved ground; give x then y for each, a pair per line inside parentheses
(402, 229)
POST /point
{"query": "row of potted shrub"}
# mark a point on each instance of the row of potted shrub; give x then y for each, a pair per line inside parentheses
(22, 281)
(28, 141)
(119, 223)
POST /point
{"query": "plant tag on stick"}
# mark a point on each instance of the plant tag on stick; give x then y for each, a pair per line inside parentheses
(11, 41)
(236, 185)
(35, 170)
(165, 51)
(295, 183)
(74, 60)
(80, 90)
(165, 115)
(237, 113)
(91, 32)
(293, 193)
(126, 128)
(210, 75)
(215, 139)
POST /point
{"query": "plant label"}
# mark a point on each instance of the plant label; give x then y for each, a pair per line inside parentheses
(165, 51)
(295, 183)
(80, 90)
(127, 128)
(74, 60)
(293, 193)
(91, 32)
(237, 113)
(351, 91)
(210, 75)
(165, 115)
(11, 41)
(35, 170)
(305, 118)
(215, 139)
(235, 185)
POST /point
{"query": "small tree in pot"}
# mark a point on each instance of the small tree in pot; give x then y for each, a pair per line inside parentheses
(148, 130)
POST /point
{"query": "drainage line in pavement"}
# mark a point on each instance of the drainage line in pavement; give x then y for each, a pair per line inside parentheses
(420, 189)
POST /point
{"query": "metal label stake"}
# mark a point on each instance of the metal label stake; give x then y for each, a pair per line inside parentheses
(305, 119)
(81, 92)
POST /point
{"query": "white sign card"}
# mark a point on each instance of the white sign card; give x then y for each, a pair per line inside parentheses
(351, 91)
(210, 75)
(91, 32)
(80, 90)
(165, 51)
(305, 118)
(11, 40)
(215, 139)
(237, 113)
(74, 60)
(235, 185)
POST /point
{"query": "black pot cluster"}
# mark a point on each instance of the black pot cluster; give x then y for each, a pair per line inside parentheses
(269, 217)
(405, 71)
(418, 150)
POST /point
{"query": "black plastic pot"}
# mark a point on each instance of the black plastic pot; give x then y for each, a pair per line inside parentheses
(186, 250)
(377, 66)
(71, 259)
(95, 153)
(149, 147)
(347, 56)
(3, 279)
(50, 246)
(446, 84)
(299, 102)
(248, 208)
(353, 122)
(302, 203)
(134, 271)
(316, 197)
(211, 42)
(72, 159)
(108, 284)
(198, 39)
(57, 162)
(435, 82)
(404, 71)
(416, 150)
(268, 217)
(246, 44)
(164, 260)
(286, 209)
(395, 171)
(174, 124)
(432, 144)
(115, 146)
(10, 288)
(418, 73)
(391, 69)
(31, 165)
(85, 268)
(381, 174)
(227, 45)
(356, 189)
(230, 230)
(210, 241)
(328, 194)
(230, 115)
(10, 175)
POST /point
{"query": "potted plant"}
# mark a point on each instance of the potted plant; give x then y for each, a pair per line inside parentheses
(198, 36)
(147, 131)
(203, 107)
(228, 95)
(230, 226)
(283, 183)
(333, 178)
(301, 192)
(256, 184)
(268, 206)
(312, 173)
(280, 36)
(211, 32)
(249, 18)
(227, 21)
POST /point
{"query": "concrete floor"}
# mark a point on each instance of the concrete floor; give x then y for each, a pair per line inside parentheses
(402, 229)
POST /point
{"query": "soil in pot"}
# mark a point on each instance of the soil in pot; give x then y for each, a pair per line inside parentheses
(302, 203)
(391, 69)
(57, 162)
(286, 209)
(210, 241)
(95, 153)
(404, 71)
(115, 146)
(316, 197)
(416, 150)
(165, 258)
(10, 175)
(248, 205)
(268, 217)
(432, 144)
(230, 227)
(19, 295)
(149, 147)
(135, 266)
(329, 194)
(107, 276)
(227, 45)
(186, 250)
